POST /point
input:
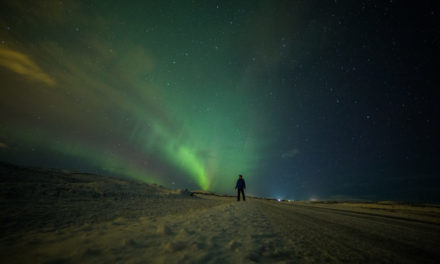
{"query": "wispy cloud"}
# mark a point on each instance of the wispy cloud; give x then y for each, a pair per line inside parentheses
(290, 154)
(22, 64)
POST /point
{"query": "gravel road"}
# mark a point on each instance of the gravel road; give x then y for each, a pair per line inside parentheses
(53, 216)
(226, 231)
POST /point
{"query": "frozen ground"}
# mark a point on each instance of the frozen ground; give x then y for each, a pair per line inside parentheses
(50, 216)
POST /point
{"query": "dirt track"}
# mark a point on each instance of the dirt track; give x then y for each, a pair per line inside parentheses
(52, 216)
(322, 235)
(237, 232)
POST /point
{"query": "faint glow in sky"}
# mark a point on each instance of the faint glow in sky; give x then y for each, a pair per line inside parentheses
(22, 64)
(300, 97)
(118, 107)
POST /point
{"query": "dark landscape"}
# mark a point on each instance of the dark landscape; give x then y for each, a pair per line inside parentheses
(218, 131)
(58, 216)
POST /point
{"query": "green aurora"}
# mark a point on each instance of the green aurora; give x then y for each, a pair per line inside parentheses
(124, 93)
(307, 99)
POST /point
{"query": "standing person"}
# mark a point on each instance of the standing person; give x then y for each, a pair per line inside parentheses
(240, 186)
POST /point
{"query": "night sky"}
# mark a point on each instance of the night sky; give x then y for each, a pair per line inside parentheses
(306, 99)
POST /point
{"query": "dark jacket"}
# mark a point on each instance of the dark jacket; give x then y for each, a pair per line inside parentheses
(240, 184)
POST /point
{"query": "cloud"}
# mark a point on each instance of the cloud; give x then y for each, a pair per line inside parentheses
(290, 154)
(22, 64)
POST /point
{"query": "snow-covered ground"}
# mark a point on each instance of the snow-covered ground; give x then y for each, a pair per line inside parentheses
(51, 216)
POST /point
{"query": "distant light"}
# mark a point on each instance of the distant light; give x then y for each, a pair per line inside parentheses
(279, 200)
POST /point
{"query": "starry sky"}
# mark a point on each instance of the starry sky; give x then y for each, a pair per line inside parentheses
(306, 99)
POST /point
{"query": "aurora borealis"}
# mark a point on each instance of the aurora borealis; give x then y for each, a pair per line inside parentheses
(304, 98)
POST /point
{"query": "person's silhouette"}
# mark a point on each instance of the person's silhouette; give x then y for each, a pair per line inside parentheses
(240, 186)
